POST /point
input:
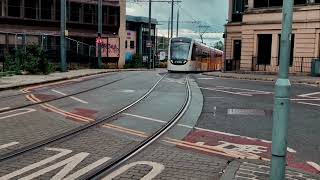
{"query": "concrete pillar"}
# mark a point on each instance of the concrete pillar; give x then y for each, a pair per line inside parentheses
(250, 4)
(275, 49)
(122, 33)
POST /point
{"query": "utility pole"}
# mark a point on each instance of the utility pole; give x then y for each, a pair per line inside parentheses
(177, 33)
(282, 98)
(172, 4)
(100, 33)
(169, 28)
(63, 62)
(150, 48)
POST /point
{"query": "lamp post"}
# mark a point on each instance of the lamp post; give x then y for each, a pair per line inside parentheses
(282, 98)
(63, 62)
(100, 33)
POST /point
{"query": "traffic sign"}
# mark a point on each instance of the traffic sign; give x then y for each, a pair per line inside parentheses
(148, 44)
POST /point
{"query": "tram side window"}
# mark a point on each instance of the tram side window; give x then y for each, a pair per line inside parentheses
(194, 53)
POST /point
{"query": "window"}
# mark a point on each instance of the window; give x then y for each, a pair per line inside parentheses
(275, 3)
(74, 12)
(57, 10)
(126, 44)
(291, 51)
(30, 9)
(89, 13)
(264, 49)
(46, 6)
(239, 6)
(14, 8)
(132, 45)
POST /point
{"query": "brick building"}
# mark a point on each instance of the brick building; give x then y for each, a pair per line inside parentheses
(38, 22)
(252, 36)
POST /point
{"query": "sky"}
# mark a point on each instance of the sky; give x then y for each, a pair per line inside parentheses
(212, 13)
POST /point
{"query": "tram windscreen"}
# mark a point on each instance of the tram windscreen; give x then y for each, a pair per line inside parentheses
(179, 50)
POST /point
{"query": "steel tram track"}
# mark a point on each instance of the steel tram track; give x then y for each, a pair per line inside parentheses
(75, 131)
(109, 167)
(89, 78)
(58, 98)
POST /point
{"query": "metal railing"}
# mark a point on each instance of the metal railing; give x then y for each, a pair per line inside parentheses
(79, 54)
(297, 64)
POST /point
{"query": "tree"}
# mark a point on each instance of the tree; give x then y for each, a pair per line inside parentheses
(219, 45)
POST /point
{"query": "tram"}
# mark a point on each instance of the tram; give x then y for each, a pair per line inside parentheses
(187, 55)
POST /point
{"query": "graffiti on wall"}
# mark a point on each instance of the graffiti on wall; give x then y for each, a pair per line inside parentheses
(110, 47)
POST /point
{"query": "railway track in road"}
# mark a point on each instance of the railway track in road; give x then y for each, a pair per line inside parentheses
(104, 170)
(58, 98)
(60, 84)
(79, 129)
(123, 156)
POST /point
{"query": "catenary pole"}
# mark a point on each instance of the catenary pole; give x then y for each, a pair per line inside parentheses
(99, 32)
(149, 38)
(282, 98)
(63, 61)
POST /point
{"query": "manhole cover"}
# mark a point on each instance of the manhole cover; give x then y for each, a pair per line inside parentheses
(255, 112)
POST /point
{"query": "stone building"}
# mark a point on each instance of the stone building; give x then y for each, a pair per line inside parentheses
(252, 35)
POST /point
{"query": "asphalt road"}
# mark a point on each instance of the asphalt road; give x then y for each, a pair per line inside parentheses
(227, 119)
(244, 108)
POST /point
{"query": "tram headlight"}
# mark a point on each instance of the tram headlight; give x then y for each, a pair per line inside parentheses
(171, 61)
(185, 61)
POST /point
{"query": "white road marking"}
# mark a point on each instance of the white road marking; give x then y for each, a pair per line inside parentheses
(219, 90)
(5, 108)
(72, 97)
(205, 78)
(207, 130)
(157, 168)
(305, 99)
(311, 104)
(127, 91)
(16, 112)
(314, 165)
(62, 152)
(309, 95)
(4, 146)
(215, 97)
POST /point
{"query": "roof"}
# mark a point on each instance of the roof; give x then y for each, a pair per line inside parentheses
(141, 19)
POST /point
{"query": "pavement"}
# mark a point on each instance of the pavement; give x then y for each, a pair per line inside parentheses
(19, 81)
(225, 133)
(301, 79)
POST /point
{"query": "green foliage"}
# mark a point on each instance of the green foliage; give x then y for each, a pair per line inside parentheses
(219, 45)
(32, 59)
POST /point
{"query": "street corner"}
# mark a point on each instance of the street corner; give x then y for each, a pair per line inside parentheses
(233, 146)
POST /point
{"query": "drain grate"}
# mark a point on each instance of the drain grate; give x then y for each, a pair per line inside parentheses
(254, 112)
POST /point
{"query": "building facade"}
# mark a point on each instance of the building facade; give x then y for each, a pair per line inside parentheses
(253, 33)
(138, 35)
(38, 22)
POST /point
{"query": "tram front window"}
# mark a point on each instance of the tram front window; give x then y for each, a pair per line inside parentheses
(180, 51)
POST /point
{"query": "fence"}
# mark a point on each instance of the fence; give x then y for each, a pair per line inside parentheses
(79, 54)
(232, 65)
(297, 64)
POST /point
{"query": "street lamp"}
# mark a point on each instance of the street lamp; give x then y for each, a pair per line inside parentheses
(282, 98)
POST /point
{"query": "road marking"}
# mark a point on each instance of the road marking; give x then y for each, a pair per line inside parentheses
(72, 97)
(314, 165)
(309, 95)
(205, 78)
(214, 97)
(4, 146)
(305, 99)
(157, 168)
(62, 152)
(229, 92)
(311, 104)
(207, 130)
(127, 91)
(16, 112)
(32, 98)
(5, 108)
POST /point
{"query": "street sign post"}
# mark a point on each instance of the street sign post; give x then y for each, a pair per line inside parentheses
(63, 59)
(282, 98)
